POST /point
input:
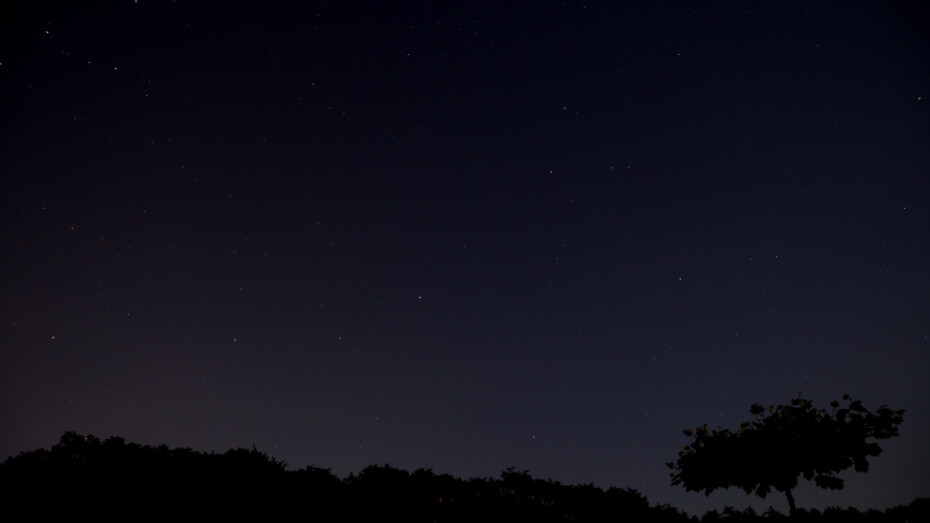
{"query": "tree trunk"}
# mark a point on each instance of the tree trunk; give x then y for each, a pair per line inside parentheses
(791, 508)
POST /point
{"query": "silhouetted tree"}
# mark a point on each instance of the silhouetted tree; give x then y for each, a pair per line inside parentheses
(783, 443)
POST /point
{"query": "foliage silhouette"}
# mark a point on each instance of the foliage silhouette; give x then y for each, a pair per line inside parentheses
(782, 444)
(85, 478)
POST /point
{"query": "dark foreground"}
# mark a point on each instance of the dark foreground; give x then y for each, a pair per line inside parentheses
(84, 478)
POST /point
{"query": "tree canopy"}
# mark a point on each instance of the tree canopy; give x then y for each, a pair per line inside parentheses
(112, 480)
(784, 443)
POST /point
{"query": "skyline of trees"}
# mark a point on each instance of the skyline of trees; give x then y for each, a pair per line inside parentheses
(115, 480)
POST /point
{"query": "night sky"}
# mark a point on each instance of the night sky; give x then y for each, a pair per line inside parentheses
(465, 235)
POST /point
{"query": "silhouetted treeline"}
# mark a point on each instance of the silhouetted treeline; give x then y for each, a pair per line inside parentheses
(83, 477)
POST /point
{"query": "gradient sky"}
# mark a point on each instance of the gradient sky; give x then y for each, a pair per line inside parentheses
(466, 236)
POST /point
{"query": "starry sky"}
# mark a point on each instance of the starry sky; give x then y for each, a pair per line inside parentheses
(465, 235)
